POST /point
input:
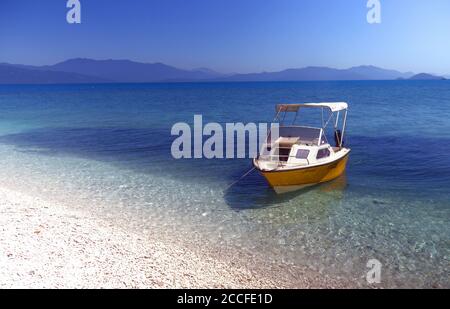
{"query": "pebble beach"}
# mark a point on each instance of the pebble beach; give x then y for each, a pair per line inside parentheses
(45, 245)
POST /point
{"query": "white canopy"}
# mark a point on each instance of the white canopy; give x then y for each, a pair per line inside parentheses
(333, 106)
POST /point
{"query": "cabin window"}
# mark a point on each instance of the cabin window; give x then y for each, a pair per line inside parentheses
(302, 154)
(323, 153)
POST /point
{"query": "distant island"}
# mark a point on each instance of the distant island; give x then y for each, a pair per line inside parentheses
(80, 70)
(425, 76)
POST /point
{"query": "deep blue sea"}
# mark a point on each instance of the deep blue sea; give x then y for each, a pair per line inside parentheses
(109, 146)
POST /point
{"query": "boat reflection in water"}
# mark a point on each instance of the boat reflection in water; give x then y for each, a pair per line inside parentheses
(255, 194)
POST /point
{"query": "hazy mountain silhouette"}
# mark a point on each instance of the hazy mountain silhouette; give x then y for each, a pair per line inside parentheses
(128, 71)
(304, 74)
(210, 72)
(81, 70)
(323, 73)
(375, 73)
(425, 76)
(16, 74)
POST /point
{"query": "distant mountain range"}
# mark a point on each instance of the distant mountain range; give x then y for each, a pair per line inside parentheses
(125, 71)
(18, 74)
(102, 71)
(322, 74)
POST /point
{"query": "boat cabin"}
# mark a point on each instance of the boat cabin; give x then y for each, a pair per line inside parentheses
(297, 145)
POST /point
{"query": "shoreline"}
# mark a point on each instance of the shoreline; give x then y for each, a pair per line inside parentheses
(50, 245)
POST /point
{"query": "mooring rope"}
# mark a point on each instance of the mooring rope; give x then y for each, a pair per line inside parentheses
(242, 177)
(253, 168)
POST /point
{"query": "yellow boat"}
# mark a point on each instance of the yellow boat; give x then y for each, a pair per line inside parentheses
(297, 156)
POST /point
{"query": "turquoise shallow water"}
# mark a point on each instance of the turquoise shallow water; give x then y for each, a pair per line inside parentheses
(110, 144)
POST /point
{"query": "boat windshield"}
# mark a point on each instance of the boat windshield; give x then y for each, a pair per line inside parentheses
(306, 135)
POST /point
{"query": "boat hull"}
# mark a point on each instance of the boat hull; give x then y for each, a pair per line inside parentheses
(295, 179)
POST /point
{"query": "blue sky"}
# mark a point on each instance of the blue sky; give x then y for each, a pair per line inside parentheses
(231, 35)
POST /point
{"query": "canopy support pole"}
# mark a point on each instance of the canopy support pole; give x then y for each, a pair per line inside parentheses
(337, 120)
(322, 117)
(343, 129)
(295, 119)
